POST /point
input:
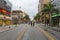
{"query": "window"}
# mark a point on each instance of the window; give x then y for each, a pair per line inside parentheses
(5, 2)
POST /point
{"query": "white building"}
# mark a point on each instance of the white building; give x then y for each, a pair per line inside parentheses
(56, 3)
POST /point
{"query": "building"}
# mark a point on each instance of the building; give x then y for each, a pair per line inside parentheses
(56, 5)
(41, 4)
(5, 5)
(16, 16)
(40, 7)
(5, 11)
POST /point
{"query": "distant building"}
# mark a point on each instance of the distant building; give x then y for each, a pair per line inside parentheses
(17, 13)
(40, 7)
(16, 16)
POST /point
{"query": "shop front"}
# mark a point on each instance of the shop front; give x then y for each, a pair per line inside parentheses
(1, 22)
(4, 17)
(7, 20)
(55, 19)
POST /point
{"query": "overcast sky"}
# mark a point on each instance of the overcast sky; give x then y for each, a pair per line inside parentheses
(29, 6)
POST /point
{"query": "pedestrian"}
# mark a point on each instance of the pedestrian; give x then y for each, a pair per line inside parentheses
(31, 23)
(9, 27)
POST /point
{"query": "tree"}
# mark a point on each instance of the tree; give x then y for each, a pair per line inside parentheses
(50, 9)
(37, 17)
(27, 17)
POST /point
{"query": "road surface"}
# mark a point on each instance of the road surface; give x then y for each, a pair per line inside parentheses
(32, 33)
(12, 34)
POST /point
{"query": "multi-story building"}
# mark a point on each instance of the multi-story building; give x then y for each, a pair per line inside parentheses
(5, 10)
(40, 7)
(5, 5)
(57, 5)
(41, 4)
(16, 16)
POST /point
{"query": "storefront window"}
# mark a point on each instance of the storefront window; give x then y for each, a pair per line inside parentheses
(7, 22)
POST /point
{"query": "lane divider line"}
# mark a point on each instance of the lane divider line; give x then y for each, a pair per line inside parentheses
(46, 33)
(22, 34)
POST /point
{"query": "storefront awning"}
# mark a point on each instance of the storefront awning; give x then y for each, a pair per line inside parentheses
(55, 15)
(4, 11)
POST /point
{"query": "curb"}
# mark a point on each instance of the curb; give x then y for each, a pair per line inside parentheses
(7, 30)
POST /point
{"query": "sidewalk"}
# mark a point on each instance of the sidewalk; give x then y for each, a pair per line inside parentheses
(52, 30)
(56, 29)
(6, 28)
(55, 33)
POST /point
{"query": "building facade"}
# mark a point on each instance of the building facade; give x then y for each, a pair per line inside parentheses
(5, 11)
(41, 4)
(56, 3)
(6, 5)
(40, 7)
(16, 16)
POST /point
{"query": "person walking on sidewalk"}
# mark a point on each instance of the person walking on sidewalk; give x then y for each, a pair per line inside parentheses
(31, 23)
(9, 27)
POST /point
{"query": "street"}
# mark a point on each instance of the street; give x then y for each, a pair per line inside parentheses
(29, 20)
(12, 34)
(32, 33)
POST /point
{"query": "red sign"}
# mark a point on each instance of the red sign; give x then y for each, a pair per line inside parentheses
(4, 11)
(7, 12)
(0, 10)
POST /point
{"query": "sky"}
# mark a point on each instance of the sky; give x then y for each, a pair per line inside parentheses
(29, 6)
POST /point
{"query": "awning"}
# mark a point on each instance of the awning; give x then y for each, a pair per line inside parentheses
(55, 15)
(4, 11)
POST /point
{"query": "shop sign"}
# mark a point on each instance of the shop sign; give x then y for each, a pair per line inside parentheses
(4, 11)
(55, 15)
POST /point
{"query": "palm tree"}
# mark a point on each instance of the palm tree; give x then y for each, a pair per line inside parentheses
(27, 17)
(50, 9)
(37, 17)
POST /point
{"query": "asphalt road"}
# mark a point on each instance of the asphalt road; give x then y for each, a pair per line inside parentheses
(32, 33)
(12, 34)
